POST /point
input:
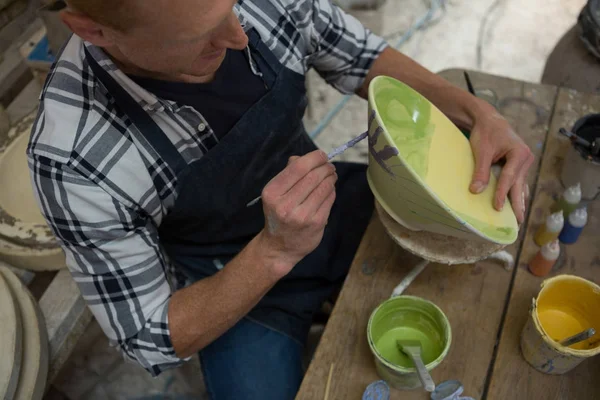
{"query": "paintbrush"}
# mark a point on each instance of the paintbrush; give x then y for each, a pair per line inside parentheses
(575, 139)
(412, 348)
(592, 147)
(333, 153)
(469, 84)
(580, 337)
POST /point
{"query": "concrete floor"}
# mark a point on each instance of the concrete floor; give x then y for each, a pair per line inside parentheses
(519, 36)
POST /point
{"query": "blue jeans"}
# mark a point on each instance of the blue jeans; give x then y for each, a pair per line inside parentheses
(252, 362)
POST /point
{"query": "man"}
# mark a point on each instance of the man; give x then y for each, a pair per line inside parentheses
(158, 124)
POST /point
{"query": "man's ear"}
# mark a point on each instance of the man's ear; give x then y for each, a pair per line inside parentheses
(86, 28)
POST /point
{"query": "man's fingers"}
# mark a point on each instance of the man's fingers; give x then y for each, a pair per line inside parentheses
(323, 212)
(481, 175)
(297, 169)
(518, 199)
(512, 171)
(301, 191)
(520, 191)
(306, 212)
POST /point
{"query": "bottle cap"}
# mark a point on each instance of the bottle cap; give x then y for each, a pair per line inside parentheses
(449, 390)
(555, 222)
(551, 251)
(378, 390)
(578, 218)
(573, 194)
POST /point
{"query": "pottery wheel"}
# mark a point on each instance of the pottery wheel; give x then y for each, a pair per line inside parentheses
(10, 342)
(34, 366)
(435, 247)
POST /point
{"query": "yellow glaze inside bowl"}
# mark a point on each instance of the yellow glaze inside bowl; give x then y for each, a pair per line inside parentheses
(434, 154)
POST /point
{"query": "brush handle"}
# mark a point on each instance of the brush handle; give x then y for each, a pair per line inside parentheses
(332, 154)
(580, 337)
(424, 376)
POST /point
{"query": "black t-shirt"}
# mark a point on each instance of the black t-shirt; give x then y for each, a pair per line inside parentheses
(223, 101)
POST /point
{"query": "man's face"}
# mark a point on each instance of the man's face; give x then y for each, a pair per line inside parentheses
(174, 37)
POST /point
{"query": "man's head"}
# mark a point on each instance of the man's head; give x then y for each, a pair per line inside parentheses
(173, 39)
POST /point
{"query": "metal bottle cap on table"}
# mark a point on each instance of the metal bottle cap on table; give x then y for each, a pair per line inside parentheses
(449, 390)
(378, 390)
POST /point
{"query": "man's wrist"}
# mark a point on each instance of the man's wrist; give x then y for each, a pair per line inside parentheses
(276, 263)
(476, 109)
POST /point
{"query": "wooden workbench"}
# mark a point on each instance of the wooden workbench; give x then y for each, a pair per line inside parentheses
(486, 304)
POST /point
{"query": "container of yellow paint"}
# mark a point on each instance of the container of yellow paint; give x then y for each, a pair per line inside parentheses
(566, 305)
(407, 318)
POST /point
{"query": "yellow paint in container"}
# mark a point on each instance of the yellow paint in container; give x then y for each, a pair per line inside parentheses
(565, 306)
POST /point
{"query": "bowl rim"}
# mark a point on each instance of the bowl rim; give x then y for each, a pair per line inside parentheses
(398, 368)
(409, 168)
(540, 328)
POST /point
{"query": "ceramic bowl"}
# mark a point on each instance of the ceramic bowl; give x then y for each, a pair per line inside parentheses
(421, 165)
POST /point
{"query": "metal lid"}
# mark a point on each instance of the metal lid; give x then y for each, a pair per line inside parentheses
(378, 390)
(449, 390)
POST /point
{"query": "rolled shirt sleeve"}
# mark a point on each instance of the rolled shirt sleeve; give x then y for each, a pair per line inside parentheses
(114, 256)
(343, 49)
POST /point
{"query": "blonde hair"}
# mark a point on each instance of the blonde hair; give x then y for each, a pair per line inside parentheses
(113, 13)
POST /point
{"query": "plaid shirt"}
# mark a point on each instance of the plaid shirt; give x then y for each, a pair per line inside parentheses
(104, 190)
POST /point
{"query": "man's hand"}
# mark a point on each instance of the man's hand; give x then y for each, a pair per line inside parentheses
(492, 139)
(297, 203)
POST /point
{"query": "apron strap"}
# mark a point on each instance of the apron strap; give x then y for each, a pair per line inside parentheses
(140, 118)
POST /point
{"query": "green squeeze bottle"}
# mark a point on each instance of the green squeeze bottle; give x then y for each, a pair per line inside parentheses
(568, 201)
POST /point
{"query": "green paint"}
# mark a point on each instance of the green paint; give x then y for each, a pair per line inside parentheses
(501, 235)
(431, 345)
(565, 206)
(409, 318)
(407, 122)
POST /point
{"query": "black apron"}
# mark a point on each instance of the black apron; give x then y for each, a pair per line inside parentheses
(210, 222)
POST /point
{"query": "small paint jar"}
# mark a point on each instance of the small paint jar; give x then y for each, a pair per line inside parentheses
(550, 230)
(544, 260)
(569, 200)
(574, 226)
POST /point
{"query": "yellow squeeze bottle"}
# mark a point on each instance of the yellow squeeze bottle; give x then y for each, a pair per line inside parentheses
(550, 230)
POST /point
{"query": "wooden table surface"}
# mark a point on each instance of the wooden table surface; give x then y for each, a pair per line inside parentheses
(486, 304)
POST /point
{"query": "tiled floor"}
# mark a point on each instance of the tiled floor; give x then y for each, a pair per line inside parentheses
(519, 36)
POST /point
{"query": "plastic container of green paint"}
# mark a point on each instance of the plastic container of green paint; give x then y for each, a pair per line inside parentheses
(407, 318)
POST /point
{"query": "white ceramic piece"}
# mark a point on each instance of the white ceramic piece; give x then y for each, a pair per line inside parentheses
(11, 346)
(34, 366)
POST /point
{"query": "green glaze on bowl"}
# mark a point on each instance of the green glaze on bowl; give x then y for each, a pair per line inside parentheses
(421, 165)
(407, 318)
